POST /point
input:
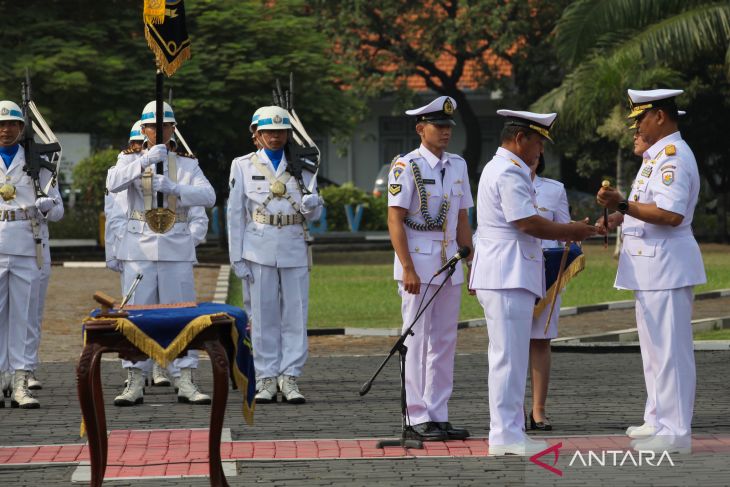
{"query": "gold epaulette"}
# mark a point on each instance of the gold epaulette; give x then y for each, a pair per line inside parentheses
(670, 150)
(130, 150)
(185, 154)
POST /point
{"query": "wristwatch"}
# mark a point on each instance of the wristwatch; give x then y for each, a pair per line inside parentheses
(623, 207)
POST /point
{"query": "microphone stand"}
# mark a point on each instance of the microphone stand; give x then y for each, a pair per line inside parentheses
(402, 350)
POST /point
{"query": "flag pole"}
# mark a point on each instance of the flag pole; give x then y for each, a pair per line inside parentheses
(159, 117)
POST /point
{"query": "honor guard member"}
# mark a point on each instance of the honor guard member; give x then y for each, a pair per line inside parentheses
(157, 242)
(552, 204)
(508, 273)
(267, 214)
(22, 256)
(661, 262)
(428, 200)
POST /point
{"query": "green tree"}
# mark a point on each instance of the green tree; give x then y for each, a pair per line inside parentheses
(89, 178)
(386, 42)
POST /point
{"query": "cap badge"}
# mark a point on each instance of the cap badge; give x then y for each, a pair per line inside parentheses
(277, 119)
(448, 107)
(4, 111)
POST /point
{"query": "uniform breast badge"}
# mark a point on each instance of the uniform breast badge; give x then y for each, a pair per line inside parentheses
(646, 171)
(7, 191)
(278, 189)
(667, 177)
(160, 220)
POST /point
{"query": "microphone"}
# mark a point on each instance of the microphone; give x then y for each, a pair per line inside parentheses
(463, 252)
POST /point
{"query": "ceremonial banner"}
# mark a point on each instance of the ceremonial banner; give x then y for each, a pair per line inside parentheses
(574, 264)
(162, 333)
(168, 39)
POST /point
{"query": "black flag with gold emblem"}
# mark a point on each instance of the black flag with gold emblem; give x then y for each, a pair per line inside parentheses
(168, 38)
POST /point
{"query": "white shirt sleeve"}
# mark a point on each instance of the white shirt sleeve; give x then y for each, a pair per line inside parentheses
(400, 184)
(672, 186)
(515, 192)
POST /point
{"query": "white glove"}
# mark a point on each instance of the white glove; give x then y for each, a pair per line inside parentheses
(243, 271)
(163, 184)
(44, 204)
(310, 202)
(157, 153)
(115, 265)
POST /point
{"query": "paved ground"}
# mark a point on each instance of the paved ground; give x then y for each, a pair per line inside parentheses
(591, 394)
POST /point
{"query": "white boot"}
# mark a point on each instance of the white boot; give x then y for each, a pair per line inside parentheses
(159, 376)
(134, 391)
(187, 389)
(290, 390)
(638, 432)
(33, 383)
(21, 397)
(6, 383)
(266, 390)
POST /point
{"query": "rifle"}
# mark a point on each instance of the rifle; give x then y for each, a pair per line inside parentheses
(301, 150)
(38, 156)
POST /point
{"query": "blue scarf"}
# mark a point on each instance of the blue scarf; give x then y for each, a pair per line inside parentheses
(275, 157)
(8, 153)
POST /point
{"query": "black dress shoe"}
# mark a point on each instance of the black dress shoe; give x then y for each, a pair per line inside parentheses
(540, 425)
(428, 431)
(453, 433)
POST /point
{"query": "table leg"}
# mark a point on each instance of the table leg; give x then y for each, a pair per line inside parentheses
(99, 407)
(219, 361)
(84, 375)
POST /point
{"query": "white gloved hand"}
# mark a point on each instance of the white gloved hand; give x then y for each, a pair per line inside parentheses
(115, 265)
(157, 153)
(163, 184)
(44, 204)
(243, 271)
(310, 202)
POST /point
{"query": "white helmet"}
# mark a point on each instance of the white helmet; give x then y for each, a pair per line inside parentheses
(136, 132)
(255, 119)
(273, 118)
(148, 114)
(10, 111)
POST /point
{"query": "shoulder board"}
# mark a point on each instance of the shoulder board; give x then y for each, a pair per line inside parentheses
(395, 159)
(670, 150)
(129, 150)
(185, 154)
(552, 181)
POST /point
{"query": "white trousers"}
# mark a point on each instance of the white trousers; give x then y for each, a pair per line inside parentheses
(663, 319)
(42, 292)
(163, 283)
(279, 307)
(538, 324)
(509, 318)
(431, 350)
(19, 330)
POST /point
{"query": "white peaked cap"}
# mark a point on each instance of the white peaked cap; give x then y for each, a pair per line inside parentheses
(539, 122)
(440, 111)
(149, 113)
(643, 100)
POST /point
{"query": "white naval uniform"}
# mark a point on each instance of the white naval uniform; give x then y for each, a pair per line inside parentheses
(552, 204)
(508, 275)
(661, 264)
(431, 349)
(278, 259)
(165, 260)
(20, 276)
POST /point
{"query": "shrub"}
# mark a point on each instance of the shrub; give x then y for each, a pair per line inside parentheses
(336, 197)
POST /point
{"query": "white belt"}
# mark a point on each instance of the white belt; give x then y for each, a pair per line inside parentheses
(504, 234)
(278, 220)
(15, 215)
(139, 215)
(657, 232)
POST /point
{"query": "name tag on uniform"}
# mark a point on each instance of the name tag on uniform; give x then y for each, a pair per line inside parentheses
(429, 181)
(258, 178)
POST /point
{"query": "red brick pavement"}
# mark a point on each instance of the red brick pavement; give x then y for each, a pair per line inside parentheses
(175, 453)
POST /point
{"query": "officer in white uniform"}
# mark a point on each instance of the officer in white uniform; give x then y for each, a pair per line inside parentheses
(165, 259)
(267, 243)
(428, 200)
(661, 262)
(22, 256)
(508, 273)
(552, 204)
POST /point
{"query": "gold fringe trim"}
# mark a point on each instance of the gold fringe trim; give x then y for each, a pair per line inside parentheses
(570, 272)
(242, 384)
(82, 429)
(154, 11)
(168, 68)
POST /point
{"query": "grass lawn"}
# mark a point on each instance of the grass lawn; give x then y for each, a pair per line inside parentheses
(362, 293)
(713, 335)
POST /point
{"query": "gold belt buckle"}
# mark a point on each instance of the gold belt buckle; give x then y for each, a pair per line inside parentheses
(7, 192)
(160, 220)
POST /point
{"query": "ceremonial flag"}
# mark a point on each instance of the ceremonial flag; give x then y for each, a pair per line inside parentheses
(573, 265)
(166, 34)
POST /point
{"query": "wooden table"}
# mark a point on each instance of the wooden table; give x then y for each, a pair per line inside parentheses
(101, 337)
